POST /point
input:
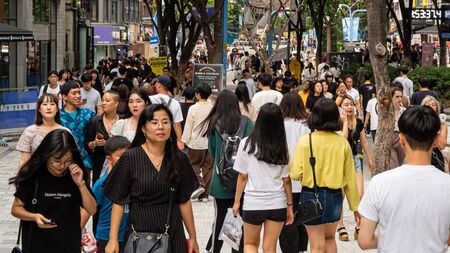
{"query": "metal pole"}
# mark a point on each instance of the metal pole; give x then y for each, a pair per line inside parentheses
(289, 45)
(224, 40)
(270, 37)
(351, 27)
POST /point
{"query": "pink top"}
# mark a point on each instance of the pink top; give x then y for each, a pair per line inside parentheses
(31, 138)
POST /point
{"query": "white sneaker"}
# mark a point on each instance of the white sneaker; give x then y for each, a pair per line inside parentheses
(197, 192)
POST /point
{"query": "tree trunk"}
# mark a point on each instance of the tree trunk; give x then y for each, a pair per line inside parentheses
(443, 51)
(376, 13)
(329, 27)
(215, 56)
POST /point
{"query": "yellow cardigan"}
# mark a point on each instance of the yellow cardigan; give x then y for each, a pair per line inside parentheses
(335, 168)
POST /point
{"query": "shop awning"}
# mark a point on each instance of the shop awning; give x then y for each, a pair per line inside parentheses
(9, 33)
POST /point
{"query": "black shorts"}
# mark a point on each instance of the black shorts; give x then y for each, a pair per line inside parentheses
(257, 217)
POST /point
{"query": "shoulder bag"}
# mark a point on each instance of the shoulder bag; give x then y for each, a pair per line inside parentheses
(311, 209)
(151, 242)
(17, 248)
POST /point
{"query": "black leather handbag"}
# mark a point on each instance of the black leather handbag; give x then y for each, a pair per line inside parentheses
(17, 248)
(311, 209)
(151, 242)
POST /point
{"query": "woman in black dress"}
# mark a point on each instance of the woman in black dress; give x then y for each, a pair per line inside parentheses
(142, 178)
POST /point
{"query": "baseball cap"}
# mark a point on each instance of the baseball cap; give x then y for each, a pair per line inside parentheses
(165, 81)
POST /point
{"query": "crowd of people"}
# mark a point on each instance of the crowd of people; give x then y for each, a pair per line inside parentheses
(115, 143)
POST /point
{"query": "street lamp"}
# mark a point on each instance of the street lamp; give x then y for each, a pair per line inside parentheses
(352, 13)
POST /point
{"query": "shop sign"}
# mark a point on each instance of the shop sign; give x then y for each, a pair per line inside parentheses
(103, 35)
(211, 74)
(154, 40)
(157, 64)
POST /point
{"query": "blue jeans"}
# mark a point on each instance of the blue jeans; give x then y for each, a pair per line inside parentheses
(331, 200)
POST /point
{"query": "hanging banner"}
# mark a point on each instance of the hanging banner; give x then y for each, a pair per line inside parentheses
(211, 74)
(346, 29)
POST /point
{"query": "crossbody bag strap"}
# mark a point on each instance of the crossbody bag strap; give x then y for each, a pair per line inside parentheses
(312, 161)
(171, 200)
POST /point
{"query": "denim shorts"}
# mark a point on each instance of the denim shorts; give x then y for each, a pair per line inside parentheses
(358, 167)
(331, 200)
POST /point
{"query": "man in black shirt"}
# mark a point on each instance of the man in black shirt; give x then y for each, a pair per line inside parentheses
(122, 79)
(418, 96)
(365, 91)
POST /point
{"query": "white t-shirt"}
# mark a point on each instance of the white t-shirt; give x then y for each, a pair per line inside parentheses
(266, 96)
(412, 207)
(251, 86)
(407, 85)
(56, 91)
(174, 106)
(295, 129)
(354, 93)
(264, 189)
(92, 97)
(373, 110)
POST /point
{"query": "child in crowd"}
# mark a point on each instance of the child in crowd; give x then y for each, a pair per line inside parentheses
(114, 148)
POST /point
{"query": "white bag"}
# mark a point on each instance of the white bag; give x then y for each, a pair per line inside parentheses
(231, 231)
(88, 242)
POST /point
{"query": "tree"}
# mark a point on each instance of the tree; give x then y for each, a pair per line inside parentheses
(317, 11)
(442, 41)
(376, 13)
(404, 29)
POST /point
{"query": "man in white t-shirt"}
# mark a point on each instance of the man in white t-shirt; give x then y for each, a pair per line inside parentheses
(266, 95)
(90, 98)
(354, 93)
(409, 204)
(405, 81)
(52, 87)
(162, 87)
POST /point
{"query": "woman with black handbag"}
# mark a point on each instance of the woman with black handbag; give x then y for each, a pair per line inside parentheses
(51, 189)
(323, 163)
(156, 180)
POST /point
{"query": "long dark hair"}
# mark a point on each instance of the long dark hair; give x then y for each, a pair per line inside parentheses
(292, 107)
(56, 143)
(225, 113)
(243, 95)
(267, 142)
(46, 98)
(142, 94)
(171, 148)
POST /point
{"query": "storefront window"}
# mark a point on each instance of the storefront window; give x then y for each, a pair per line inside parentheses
(93, 5)
(41, 11)
(4, 65)
(106, 10)
(114, 11)
(38, 57)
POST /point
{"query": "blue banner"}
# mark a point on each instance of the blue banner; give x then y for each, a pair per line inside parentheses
(17, 108)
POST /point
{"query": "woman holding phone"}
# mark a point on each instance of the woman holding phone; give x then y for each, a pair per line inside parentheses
(99, 131)
(50, 190)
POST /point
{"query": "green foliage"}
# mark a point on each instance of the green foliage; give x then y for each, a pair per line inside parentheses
(439, 77)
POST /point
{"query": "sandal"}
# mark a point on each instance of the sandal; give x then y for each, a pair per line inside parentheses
(343, 235)
(356, 233)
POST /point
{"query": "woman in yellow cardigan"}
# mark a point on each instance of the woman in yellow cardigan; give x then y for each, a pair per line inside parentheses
(335, 170)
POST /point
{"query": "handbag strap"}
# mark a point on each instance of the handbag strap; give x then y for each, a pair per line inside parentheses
(169, 214)
(33, 209)
(312, 161)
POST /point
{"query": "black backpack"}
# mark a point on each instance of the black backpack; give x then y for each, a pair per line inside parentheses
(168, 103)
(227, 175)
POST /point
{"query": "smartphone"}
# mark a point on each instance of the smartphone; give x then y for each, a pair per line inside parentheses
(50, 223)
(340, 109)
(84, 100)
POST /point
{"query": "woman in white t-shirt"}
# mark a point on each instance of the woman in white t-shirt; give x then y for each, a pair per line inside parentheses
(262, 162)
(137, 101)
(294, 238)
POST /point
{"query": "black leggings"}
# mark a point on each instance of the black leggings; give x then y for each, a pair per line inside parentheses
(221, 207)
(294, 238)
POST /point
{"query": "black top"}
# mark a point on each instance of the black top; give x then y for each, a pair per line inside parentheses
(418, 96)
(184, 110)
(311, 101)
(95, 126)
(58, 199)
(135, 181)
(354, 134)
(365, 90)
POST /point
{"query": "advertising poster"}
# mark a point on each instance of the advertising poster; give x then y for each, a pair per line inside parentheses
(157, 64)
(211, 74)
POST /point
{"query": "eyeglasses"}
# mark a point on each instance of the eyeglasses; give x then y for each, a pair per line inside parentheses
(164, 123)
(61, 163)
